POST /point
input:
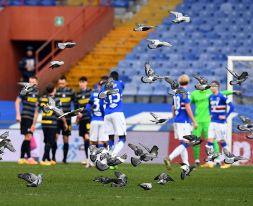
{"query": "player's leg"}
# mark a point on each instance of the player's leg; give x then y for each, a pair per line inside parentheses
(46, 132)
(109, 130)
(196, 148)
(209, 146)
(119, 124)
(66, 133)
(93, 140)
(102, 138)
(86, 138)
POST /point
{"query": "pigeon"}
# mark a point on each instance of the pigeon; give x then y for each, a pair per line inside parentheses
(247, 126)
(175, 88)
(151, 76)
(193, 139)
(154, 43)
(32, 179)
(203, 83)
(108, 89)
(56, 64)
(51, 106)
(158, 120)
(186, 170)
(72, 113)
(27, 88)
(143, 156)
(211, 155)
(146, 186)
(108, 160)
(163, 178)
(94, 151)
(239, 79)
(231, 158)
(5, 143)
(66, 45)
(120, 180)
(143, 27)
(180, 17)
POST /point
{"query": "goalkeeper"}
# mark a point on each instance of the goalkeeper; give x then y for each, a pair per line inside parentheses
(202, 117)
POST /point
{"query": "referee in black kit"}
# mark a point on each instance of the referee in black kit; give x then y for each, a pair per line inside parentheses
(27, 119)
(83, 119)
(66, 96)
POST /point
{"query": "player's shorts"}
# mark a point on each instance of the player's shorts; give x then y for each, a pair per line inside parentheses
(97, 132)
(182, 129)
(49, 134)
(217, 131)
(25, 126)
(202, 129)
(60, 127)
(84, 127)
(115, 124)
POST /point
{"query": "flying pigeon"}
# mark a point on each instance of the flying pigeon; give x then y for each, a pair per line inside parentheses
(51, 106)
(247, 126)
(108, 89)
(32, 179)
(203, 83)
(186, 170)
(56, 64)
(180, 17)
(155, 43)
(239, 79)
(193, 139)
(72, 113)
(143, 27)
(151, 76)
(5, 143)
(108, 160)
(158, 120)
(27, 88)
(66, 45)
(211, 155)
(146, 186)
(94, 151)
(175, 87)
(143, 156)
(163, 178)
(231, 158)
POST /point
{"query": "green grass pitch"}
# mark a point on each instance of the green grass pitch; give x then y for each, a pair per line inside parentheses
(72, 185)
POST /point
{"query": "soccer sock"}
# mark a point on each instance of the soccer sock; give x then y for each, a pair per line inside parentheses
(28, 148)
(111, 141)
(54, 148)
(119, 146)
(216, 147)
(184, 154)
(178, 150)
(65, 151)
(23, 150)
(196, 150)
(86, 147)
(46, 152)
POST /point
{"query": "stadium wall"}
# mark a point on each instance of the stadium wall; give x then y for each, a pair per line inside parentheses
(33, 24)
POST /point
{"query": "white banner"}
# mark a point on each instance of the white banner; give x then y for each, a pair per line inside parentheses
(76, 146)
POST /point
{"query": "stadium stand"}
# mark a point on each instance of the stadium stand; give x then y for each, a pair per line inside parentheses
(201, 46)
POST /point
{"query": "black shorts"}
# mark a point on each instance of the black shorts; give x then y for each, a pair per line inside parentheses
(25, 126)
(84, 127)
(49, 135)
(60, 128)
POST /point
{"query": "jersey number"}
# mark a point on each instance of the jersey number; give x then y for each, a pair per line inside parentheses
(176, 102)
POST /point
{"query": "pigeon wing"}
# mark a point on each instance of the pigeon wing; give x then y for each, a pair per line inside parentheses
(51, 102)
(28, 177)
(233, 73)
(10, 146)
(244, 75)
(57, 111)
(4, 135)
(244, 119)
(148, 70)
(154, 115)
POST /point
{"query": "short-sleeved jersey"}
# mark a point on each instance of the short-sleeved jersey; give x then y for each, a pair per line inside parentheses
(66, 95)
(29, 105)
(81, 100)
(95, 107)
(179, 103)
(49, 120)
(113, 103)
(218, 106)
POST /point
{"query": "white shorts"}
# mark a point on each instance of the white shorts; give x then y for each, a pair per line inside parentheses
(97, 132)
(217, 131)
(115, 124)
(182, 129)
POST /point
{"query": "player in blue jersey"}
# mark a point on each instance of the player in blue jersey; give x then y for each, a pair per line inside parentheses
(183, 116)
(114, 120)
(218, 128)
